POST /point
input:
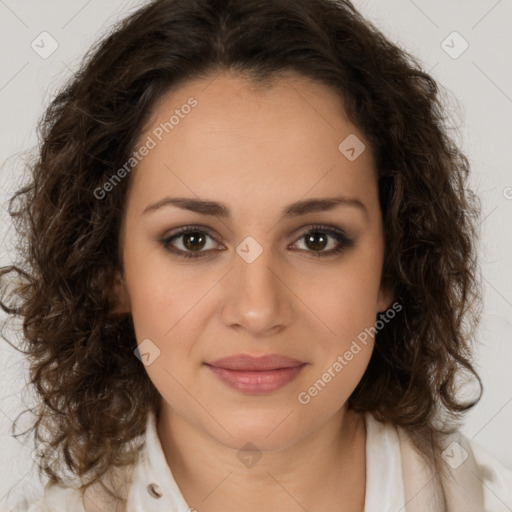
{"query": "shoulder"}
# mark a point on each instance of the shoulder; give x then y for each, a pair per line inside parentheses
(471, 475)
(496, 477)
(58, 498)
(95, 498)
(70, 499)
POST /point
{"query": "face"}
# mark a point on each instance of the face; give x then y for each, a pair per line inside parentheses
(253, 276)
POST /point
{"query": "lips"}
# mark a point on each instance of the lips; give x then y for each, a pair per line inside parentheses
(243, 362)
(256, 375)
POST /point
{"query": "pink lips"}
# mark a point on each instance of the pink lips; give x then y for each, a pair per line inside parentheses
(256, 374)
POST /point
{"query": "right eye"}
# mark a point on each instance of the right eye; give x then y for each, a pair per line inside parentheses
(192, 240)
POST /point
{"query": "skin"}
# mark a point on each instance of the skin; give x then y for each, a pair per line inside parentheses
(256, 150)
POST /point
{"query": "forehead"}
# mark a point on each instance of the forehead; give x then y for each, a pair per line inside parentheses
(279, 140)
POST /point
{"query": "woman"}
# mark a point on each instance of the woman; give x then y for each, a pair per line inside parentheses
(251, 272)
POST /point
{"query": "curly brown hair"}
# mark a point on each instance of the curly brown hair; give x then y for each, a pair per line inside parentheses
(94, 394)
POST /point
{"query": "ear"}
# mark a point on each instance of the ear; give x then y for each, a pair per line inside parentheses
(121, 295)
(384, 299)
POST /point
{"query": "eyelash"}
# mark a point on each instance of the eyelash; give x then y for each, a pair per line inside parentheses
(343, 241)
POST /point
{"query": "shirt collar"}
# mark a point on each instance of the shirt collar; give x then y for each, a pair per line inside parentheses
(384, 481)
(154, 488)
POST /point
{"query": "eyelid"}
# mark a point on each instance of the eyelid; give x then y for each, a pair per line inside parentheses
(166, 239)
(344, 241)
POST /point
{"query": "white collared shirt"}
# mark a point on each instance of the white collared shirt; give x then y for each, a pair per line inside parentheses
(154, 489)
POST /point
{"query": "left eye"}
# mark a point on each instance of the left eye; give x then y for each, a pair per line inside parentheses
(316, 239)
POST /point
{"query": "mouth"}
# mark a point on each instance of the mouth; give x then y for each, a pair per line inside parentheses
(256, 375)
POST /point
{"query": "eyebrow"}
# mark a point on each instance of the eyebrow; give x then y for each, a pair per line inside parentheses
(220, 210)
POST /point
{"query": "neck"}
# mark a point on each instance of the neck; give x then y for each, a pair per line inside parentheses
(326, 469)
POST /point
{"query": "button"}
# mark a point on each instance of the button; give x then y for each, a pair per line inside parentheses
(154, 491)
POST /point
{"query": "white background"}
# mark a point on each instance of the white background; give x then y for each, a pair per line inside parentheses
(480, 80)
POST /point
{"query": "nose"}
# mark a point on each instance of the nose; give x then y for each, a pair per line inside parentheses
(256, 295)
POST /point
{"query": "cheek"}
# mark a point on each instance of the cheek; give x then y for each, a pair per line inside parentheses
(343, 343)
(161, 294)
(345, 301)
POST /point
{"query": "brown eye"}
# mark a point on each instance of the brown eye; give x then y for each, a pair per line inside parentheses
(317, 240)
(188, 241)
(192, 242)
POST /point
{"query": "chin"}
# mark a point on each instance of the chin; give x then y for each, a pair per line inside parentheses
(267, 432)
